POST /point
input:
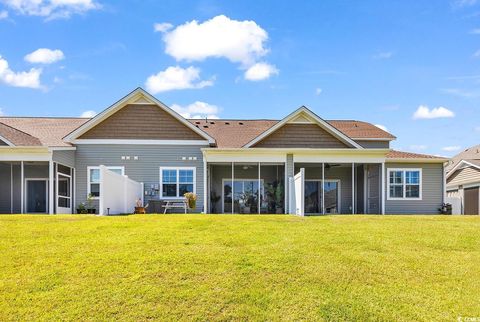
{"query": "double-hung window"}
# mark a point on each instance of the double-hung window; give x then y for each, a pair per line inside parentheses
(175, 182)
(94, 179)
(404, 184)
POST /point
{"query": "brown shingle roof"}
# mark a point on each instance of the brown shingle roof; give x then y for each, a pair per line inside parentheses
(49, 131)
(393, 154)
(237, 133)
(17, 137)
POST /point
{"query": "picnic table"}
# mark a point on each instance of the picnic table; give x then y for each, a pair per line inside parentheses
(175, 204)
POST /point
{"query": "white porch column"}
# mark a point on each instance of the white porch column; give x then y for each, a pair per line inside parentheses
(51, 196)
(205, 186)
(22, 188)
(11, 187)
(383, 188)
(353, 188)
(323, 188)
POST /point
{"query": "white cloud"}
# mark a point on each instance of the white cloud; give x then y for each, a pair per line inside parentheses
(475, 31)
(1, 112)
(423, 112)
(51, 9)
(89, 114)
(44, 56)
(451, 148)
(3, 14)
(30, 79)
(238, 41)
(383, 55)
(382, 127)
(418, 147)
(197, 110)
(260, 71)
(174, 78)
(477, 129)
(162, 27)
(476, 54)
(464, 3)
(318, 91)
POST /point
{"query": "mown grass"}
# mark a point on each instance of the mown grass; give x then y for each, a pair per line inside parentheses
(219, 267)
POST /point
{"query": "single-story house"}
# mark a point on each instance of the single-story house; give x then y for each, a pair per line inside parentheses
(300, 164)
(463, 180)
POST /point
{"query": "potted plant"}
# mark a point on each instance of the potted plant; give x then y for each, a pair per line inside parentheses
(81, 208)
(90, 208)
(191, 200)
(245, 201)
(139, 207)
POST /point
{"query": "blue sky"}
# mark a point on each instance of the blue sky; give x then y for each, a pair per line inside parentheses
(411, 66)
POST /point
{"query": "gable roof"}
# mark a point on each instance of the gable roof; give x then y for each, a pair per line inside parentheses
(472, 153)
(38, 131)
(468, 163)
(301, 112)
(137, 95)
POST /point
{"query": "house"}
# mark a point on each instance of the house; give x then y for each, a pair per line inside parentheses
(463, 180)
(301, 164)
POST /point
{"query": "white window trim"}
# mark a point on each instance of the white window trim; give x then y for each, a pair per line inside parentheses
(389, 170)
(194, 169)
(98, 168)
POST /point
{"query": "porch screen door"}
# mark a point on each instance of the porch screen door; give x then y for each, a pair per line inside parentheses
(64, 193)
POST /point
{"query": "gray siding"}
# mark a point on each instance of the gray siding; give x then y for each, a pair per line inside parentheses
(146, 169)
(374, 144)
(5, 188)
(464, 176)
(66, 158)
(432, 191)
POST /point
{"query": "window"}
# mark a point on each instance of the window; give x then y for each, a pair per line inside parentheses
(94, 179)
(175, 182)
(404, 184)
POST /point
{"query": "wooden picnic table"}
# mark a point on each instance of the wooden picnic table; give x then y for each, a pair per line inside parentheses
(175, 204)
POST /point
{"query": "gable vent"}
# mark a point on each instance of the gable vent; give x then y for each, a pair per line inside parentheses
(227, 123)
(241, 123)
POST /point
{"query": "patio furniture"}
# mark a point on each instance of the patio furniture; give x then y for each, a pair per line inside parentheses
(176, 204)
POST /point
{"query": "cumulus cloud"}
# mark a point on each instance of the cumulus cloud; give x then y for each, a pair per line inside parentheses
(197, 110)
(418, 147)
(174, 78)
(451, 148)
(477, 129)
(162, 27)
(260, 71)
(382, 127)
(30, 79)
(383, 55)
(3, 14)
(220, 37)
(51, 9)
(88, 114)
(44, 56)
(1, 112)
(424, 112)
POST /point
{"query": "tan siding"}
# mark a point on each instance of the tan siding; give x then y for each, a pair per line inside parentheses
(464, 176)
(139, 121)
(300, 136)
(374, 144)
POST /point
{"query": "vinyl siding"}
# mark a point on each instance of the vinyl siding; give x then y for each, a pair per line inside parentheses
(66, 158)
(374, 144)
(5, 188)
(290, 174)
(300, 136)
(142, 121)
(464, 176)
(146, 169)
(432, 191)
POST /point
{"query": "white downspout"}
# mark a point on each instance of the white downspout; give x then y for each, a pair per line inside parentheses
(205, 186)
(383, 188)
(50, 187)
(22, 187)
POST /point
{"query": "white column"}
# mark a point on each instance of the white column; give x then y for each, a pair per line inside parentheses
(445, 184)
(11, 188)
(353, 188)
(205, 186)
(74, 183)
(51, 196)
(233, 175)
(323, 188)
(22, 188)
(383, 188)
(259, 189)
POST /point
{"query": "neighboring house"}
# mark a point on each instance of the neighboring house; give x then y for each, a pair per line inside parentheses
(463, 180)
(234, 166)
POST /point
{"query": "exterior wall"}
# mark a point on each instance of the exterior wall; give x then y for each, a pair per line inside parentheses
(141, 121)
(146, 169)
(464, 176)
(374, 144)
(5, 188)
(301, 136)
(66, 158)
(2, 143)
(289, 171)
(432, 190)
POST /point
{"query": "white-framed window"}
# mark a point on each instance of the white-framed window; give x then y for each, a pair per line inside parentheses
(93, 179)
(176, 181)
(404, 184)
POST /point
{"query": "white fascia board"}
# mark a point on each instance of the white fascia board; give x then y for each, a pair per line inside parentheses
(461, 163)
(324, 124)
(373, 139)
(131, 97)
(62, 148)
(413, 160)
(140, 142)
(27, 154)
(2, 138)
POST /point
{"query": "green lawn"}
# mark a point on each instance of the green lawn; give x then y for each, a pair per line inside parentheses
(224, 267)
